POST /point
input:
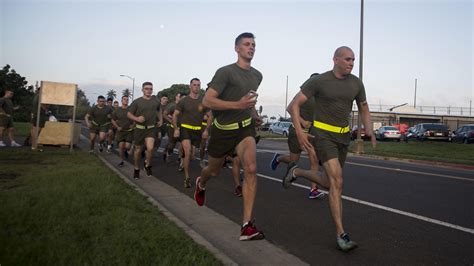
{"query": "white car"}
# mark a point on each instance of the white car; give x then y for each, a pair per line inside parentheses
(388, 132)
(281, 128)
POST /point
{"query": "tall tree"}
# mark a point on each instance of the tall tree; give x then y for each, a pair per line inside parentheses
(127, 92)
(23, 94)
(111, 94)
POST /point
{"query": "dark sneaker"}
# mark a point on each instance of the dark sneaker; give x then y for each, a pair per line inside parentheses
(315, 193)
(238, 191)
(101, 147)
(136, 174)
(345, 243)
(250, 232)
(199, 193)
(187, 182)
(148, 170)
(120, 164)
(125, 153)
(289, 178)
(164, 156)
(274, 163)
(181, 167)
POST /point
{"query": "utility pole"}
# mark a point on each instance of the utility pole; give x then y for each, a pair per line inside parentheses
(286, 98)
(359, 141)
(414, 102)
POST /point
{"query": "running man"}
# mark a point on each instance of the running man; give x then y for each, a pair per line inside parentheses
(231, 95)
(163, 129)
(190, 112)
(98, 121)
(334, 92)
(112, 130)
(168, 116)
(145, 112)
(206, 120)
(306, 112)
(6, 118)
(124, 128)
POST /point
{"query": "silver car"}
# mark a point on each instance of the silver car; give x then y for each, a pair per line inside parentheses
(281, 128)
(388, 132)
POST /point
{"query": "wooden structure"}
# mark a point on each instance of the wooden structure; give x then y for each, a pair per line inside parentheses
(58, 133)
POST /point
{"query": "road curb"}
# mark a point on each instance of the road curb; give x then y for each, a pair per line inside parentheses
(189, 231)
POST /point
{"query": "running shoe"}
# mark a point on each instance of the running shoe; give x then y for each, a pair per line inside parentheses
(109, 149)
(136, 174)
(345, 243)
(2, 144)
(14, 144)
(181, 167)
(289, 178)
(274, 163)
(199, 193)
(238, 191)
(187, 182)
(148, 170)
(120, 164)
(101, 147)
(250, 232)
(315, 193)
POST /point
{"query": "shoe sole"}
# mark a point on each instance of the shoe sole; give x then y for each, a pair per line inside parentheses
(348, 249)
(320, 195)
(197, 186)
(256, 236)
(289, 171)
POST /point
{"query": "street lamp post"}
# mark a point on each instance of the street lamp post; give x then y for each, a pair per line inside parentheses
(359, 141)
(133, 84)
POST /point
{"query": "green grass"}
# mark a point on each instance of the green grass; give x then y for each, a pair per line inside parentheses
(59, 208)
(266, 135)
(428, 150)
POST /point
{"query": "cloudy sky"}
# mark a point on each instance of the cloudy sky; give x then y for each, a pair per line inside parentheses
(166, 42)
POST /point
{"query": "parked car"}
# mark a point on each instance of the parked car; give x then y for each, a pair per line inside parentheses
(410, 133)
(464, 134)
(281, 128)
(354, 133)
(428, 131)
(388, 132)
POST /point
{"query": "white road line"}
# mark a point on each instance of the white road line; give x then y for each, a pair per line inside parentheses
(412, 215)
(392, 169)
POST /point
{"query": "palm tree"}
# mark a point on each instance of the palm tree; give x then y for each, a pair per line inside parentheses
(111, 94)
(126, 92)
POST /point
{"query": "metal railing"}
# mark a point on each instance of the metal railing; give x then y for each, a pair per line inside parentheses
(434, 110)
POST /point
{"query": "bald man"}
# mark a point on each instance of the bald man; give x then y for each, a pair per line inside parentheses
(333, 92)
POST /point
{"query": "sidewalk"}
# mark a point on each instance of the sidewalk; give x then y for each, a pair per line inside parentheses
(207, 227)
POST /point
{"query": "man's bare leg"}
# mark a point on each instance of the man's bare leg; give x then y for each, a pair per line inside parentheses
(246, 151)
(186, 144)
(334, 171)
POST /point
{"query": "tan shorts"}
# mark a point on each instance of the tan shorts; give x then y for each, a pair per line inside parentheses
(327, 149)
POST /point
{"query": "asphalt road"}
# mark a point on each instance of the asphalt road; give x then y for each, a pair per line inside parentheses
(398, 212)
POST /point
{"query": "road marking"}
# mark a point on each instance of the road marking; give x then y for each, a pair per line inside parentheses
(412, 215)
(392, 169)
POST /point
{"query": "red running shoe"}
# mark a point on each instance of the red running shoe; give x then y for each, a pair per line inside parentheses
(250, 232)
(199, 193)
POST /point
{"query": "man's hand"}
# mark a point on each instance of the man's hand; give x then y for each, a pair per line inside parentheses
(140, 119)
(304, 140)
(246, 102)
(258, 121)
(373, 140)
(159, 123)
(119, 129)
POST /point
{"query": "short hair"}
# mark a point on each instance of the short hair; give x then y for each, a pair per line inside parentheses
(100, 97)
(243, 35)
(314, 74)
(339, 50)
(146, 83)
(110, 99)
(164, 95)
(194, 79)
(125, 96)
(115, 101)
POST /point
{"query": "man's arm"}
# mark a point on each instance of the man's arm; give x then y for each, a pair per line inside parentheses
(139, 119)
(211, 101)
(294, 110)
(160, 118)
(86, 118)
(367, 121)
(175, 123)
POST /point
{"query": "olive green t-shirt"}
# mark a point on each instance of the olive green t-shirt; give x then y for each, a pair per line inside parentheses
(232, 83)
(147, 108)
(191, 111)
(333, 101)
(100, 116)
(6, 106)
(162, 110)
(307, 109)
(120, 117)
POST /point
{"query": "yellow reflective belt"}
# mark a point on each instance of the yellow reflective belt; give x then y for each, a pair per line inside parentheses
(144, 127)
(233, 126)
(330, 128)
(204, 124)
(95, 123)
(191, 127)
